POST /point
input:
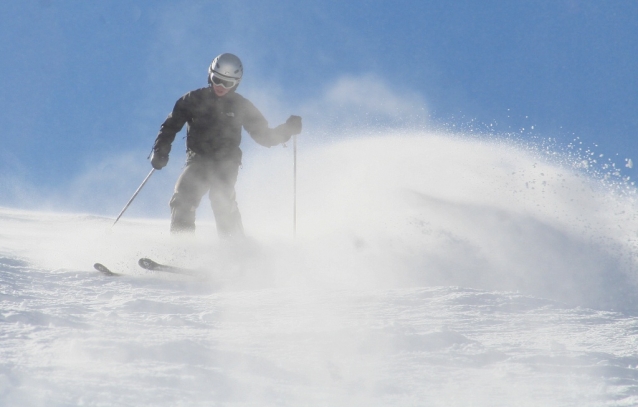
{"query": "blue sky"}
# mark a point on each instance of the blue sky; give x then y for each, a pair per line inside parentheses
(82, 82)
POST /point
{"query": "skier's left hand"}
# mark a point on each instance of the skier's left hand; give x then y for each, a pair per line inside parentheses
(294, 125)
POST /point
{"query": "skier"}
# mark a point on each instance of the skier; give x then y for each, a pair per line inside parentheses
(215, 117)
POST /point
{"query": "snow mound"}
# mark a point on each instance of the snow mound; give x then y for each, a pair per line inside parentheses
(421, 262)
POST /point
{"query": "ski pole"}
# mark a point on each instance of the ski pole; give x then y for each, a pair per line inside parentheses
(294, 209)
(133, 197)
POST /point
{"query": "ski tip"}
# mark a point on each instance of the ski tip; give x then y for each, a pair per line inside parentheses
(104, 270)
(147, 263)
(151, 265)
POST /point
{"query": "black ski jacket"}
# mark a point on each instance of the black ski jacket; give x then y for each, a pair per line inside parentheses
(214, 125)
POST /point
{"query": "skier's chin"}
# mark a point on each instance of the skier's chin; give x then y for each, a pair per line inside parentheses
(220, 90)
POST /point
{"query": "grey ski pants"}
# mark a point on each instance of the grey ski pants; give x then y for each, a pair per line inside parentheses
(218, 178)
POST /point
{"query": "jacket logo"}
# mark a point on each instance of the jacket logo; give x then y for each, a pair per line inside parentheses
(231, 114)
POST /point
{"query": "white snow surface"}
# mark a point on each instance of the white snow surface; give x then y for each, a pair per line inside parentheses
(428, 270)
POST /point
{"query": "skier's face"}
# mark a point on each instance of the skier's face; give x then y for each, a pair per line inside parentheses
(222, 85)
(220, 90)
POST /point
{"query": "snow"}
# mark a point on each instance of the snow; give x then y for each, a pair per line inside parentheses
(429, 269)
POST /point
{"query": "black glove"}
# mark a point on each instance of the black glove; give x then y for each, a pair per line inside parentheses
(294, 125)
(158, 160)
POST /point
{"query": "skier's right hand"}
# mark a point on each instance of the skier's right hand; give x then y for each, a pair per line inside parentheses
(159, 160)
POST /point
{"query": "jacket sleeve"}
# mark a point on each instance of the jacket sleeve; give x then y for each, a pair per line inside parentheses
(172, 125)
(257, 126)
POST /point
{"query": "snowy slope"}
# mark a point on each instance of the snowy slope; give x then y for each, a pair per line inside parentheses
(428, 270)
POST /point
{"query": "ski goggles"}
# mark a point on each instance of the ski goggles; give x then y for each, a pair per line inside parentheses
(224, 82)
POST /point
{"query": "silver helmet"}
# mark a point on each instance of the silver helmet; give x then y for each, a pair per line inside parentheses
(225, 70)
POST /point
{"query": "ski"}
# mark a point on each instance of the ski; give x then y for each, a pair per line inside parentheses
(104, 270)
(149, 264)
